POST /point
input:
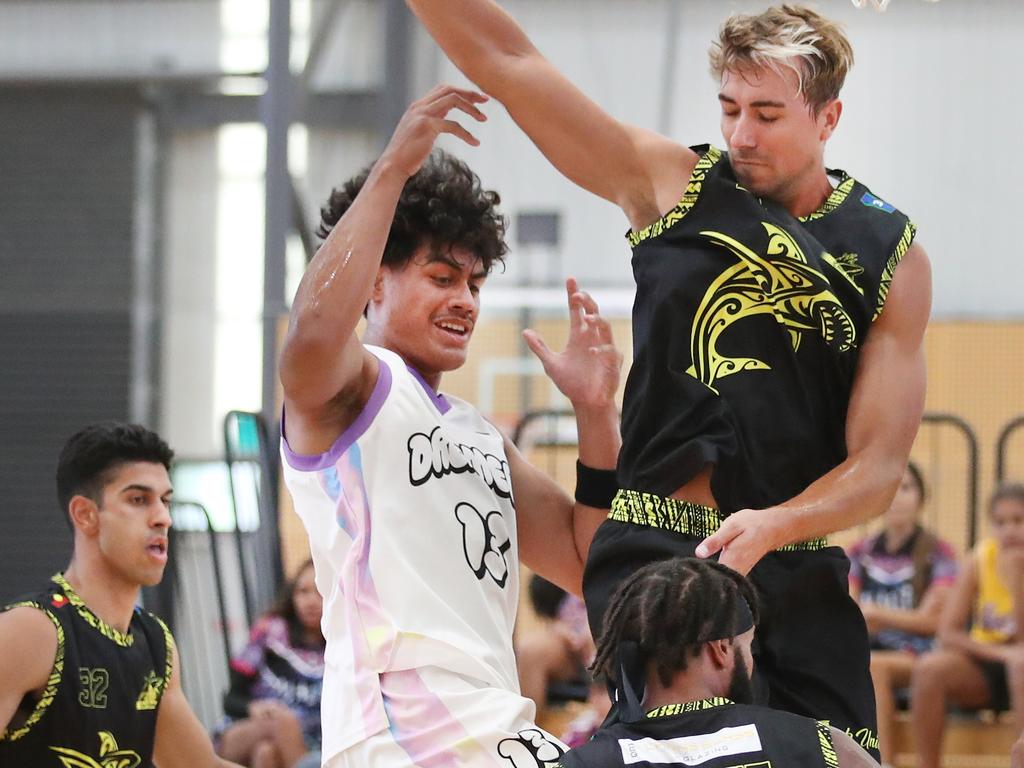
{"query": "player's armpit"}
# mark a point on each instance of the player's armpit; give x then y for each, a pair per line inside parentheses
(28, 647)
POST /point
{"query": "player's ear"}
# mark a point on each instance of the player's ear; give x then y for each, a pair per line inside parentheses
(720, 652)
(84, 514)
(378, 284)
(828, 118)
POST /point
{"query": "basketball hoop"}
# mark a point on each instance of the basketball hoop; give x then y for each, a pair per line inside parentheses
(879, 5)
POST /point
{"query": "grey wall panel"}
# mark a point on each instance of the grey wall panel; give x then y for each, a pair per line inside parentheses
(66, 284)
(61, 371)
(66, 185)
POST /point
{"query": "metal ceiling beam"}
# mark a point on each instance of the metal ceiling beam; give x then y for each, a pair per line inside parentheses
(332, 109)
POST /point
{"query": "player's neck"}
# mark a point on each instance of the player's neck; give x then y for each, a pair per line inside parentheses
(106, 595)
(691, 684)
(805, 196)
(372, 337)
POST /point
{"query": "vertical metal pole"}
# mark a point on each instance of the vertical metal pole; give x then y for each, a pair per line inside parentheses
(396, 89)
(276, 109)
(668, 73)
(147, 285)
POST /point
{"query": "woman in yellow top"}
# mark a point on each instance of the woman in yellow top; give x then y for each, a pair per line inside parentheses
(983, 667)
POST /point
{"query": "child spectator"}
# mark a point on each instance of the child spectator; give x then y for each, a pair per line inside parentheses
(901, 576)
(983, 667)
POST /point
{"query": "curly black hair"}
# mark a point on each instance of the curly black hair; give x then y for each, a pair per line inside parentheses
(442, 205)
(94, 452)
(670, 608)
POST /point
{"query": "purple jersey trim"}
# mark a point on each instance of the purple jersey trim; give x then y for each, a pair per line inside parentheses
(345, 440)
(439, 400)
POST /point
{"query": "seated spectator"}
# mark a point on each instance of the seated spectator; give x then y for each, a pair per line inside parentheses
(982, 668)
(273, 704)
(553, 661)
(901, 576)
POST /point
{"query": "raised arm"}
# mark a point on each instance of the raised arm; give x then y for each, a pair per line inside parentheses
(28, 647)
(181, 741)
(884, 414)
(554, 530)
(642, 172)
(326, 373)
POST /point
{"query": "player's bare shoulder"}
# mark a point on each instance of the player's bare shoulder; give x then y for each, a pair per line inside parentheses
(28, 647)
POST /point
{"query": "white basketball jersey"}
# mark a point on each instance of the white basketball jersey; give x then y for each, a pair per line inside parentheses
(413, 534)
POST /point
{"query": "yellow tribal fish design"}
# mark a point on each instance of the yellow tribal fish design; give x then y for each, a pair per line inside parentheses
(780, 283)
(110, 755)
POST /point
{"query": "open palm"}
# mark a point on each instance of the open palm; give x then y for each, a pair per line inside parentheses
(587, 370)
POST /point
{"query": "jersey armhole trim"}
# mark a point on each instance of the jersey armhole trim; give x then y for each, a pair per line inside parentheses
(890, 267)
(685, 204)
(355, 430)
(828, 747)
(52, 682)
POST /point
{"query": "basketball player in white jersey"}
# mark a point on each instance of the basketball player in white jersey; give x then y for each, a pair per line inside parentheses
(417, 509)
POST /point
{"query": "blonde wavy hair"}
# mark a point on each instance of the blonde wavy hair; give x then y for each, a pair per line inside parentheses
(791, 36)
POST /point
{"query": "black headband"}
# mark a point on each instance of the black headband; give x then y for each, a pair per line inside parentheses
(743, 619)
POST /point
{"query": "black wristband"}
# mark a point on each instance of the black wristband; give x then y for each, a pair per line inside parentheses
(595, 487)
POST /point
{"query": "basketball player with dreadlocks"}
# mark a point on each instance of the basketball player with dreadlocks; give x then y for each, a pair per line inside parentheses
(687, 625)
(778, 371)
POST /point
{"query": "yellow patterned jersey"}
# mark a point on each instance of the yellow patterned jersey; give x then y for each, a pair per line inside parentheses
(994, 620)
(99, 706)
(747, 327)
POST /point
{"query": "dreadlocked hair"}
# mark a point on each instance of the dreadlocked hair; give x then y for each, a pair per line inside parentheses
(670, 608)
(442, 205)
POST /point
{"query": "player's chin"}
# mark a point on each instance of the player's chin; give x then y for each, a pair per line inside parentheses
(151, 575)
(452, 356)
(755, 179)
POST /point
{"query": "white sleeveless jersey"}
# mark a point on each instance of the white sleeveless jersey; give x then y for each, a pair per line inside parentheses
(413, 535)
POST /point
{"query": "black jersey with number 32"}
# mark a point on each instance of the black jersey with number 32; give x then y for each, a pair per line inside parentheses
(99, 706)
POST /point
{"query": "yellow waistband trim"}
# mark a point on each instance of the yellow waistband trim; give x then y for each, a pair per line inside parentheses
(680, 516)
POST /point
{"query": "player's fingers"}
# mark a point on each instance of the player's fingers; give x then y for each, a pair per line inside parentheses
(537, 346)
(577, 313)
(714, 543)
(601, 326)
(589, 303)
(449, 101)
(452, 127)
(442, 90)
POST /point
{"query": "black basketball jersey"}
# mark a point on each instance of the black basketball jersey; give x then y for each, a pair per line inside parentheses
(100, 703)
(747, 327)
(711, 733)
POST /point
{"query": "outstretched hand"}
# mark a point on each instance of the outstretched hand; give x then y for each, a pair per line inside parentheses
(587, 370)
(425, 120)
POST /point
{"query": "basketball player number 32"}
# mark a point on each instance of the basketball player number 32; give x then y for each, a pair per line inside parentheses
(94, 683)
